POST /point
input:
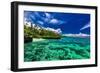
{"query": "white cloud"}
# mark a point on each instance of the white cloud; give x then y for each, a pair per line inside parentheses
(47, 15)
(40, 22)
(32, 17)
(54, 30)
(36, 17)
(46, 20)
(27, 23)
(86, 26)
(59, 30)
(50, 19)
(54, 21)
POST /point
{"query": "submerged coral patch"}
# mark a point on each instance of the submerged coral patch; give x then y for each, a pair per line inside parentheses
(66, 48)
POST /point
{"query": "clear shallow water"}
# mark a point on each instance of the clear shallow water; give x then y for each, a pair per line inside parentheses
(66, 48)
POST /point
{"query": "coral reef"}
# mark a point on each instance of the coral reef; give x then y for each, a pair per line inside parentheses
(67, 48)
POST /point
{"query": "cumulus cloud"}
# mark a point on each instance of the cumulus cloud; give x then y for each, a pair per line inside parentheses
(59, 30)
(46, 20)
(56, 21)
(86, 26)
(54, 30)
(32, 17)
(51, 19)
(36, 17)
(48, 15)
(40, 22)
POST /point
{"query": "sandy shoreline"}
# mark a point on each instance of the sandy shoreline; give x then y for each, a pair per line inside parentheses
(37, 39)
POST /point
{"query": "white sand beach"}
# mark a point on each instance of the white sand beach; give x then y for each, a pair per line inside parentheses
(37, 39)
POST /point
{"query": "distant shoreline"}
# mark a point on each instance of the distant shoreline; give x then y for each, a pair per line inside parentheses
(81, 35)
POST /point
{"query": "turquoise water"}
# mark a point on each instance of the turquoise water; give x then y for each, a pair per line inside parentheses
(66, 48)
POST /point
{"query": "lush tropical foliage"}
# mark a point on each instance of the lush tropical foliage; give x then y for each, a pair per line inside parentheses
(34, 32)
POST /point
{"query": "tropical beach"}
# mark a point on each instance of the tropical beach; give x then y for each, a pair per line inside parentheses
(50, 36)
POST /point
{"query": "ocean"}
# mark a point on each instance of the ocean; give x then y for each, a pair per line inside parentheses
(66, 48)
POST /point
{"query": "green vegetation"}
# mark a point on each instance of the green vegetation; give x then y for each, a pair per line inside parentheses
(52, 48)
(33, 32)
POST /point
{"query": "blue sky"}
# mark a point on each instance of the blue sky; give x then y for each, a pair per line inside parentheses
(73, 23)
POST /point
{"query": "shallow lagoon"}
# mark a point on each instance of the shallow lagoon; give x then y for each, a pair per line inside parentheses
(66, 48)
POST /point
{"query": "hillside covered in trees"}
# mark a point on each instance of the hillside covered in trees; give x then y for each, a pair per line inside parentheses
(39, 32)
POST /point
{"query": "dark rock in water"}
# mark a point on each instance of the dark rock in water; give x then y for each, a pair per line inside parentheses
(50, 37)
(27, 39)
